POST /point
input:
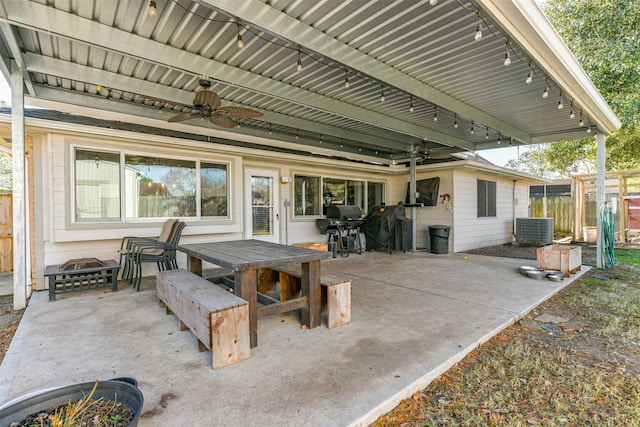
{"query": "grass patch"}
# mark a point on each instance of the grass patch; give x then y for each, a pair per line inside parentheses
(587, 375)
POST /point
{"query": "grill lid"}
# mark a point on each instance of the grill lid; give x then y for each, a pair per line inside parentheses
(344, 212)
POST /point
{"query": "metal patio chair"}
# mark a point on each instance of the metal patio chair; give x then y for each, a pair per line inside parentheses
(128, 242)
(161, 253)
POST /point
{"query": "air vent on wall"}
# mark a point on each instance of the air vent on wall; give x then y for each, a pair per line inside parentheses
(538, 231)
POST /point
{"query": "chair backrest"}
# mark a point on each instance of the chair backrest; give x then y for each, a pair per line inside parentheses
(174, 238)
(167, 230)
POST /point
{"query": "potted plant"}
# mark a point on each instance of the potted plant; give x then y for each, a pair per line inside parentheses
(112, 402)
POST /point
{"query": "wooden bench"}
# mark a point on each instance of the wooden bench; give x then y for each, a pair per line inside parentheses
(218, 318)
(337, 290)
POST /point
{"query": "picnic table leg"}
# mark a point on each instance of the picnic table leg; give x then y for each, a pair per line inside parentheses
(311, 288)
(246, 286)
(195, 265)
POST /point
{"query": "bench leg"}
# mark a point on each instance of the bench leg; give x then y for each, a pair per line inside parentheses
(339, 304)
(230, 340)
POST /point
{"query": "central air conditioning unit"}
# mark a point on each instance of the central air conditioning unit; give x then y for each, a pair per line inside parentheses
(538, 231)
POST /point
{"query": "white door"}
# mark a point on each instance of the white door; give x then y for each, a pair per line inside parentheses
(262, 214)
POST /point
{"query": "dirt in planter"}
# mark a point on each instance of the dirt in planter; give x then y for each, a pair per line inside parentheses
(101, 414)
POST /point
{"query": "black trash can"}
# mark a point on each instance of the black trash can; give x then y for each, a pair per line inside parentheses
(439, 238)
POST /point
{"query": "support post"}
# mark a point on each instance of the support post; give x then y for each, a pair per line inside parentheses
(20, 234)
(600, 194)
(412, 199)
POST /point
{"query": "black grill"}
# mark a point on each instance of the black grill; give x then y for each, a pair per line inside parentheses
(342, 226)
(387, 228)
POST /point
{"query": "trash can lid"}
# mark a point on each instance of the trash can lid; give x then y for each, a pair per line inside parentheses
(440, 227)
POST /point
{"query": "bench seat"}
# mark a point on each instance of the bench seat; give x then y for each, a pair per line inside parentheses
(218, 318)
(337, 289)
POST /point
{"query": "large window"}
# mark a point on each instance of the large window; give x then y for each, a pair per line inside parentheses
(312, 194)
(97, 185)
(306, 195)
(486, 198)
(154, 186)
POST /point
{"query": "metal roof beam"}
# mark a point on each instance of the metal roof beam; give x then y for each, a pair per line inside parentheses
(52, 66)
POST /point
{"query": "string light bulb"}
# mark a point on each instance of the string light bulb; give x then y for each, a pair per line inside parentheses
(478, 35)
(529, 78)
(435, 114)
(507, 56)
(472, 129)
(299, 66)
(240, 42)
(347, 85)
(487, 134)
(499, 138)
(545, 94)
(560, 104)
(455, 121)
(152, 8)
(433, 2)
(572, 114)
(382, 99)
(297, 136)
(411, 109)
(581, 120)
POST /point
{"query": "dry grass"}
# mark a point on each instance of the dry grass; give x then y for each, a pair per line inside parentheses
(586, 375)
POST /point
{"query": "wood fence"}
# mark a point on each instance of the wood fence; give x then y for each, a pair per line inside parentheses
(6, 233)
(559, 208)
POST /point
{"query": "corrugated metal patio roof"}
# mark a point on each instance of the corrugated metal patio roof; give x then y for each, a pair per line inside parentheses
(114, 59)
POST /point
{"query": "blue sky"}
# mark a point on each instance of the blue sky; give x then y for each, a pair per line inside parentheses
(498, 156)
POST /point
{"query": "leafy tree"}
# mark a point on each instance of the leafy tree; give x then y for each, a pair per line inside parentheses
(6, 172)
(604, 35)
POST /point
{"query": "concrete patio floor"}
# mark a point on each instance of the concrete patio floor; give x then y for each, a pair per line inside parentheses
(414, 315)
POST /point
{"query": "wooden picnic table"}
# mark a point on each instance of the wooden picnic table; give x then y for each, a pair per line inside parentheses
(245, 257)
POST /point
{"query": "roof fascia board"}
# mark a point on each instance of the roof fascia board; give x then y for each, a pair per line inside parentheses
(525, 22)
(481, 167)
(43, 18)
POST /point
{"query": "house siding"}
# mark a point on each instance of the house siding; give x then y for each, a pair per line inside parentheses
(62, 239)
(427, 215)
(473, 232)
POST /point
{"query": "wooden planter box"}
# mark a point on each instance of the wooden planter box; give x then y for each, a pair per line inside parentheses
(567, 259)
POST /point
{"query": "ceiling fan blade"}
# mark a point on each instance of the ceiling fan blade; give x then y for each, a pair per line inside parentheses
(222, 121)
(207, 98)
(239, 112)
(182, 117)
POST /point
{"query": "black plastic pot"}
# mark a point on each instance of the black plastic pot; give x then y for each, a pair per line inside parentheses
(123, 390)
